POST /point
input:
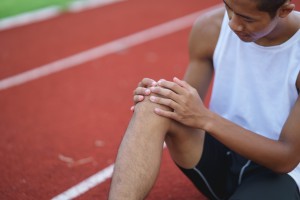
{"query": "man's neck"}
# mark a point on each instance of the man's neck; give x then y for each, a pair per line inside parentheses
(284, 30)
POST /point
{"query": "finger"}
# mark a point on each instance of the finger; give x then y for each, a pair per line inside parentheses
(184, 84)
(172, 86)
(166, 93)
(138, 98)
(147, 82)
(142, 91)
(166, 102)
(164, 113)
(132, 108)
(181, 82)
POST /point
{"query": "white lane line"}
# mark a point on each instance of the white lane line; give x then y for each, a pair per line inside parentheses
(81, 5)
(51, 12)
(102, 50)
(86, 185)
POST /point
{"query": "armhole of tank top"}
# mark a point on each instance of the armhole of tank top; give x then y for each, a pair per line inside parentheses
(298, 81)
(221, 36)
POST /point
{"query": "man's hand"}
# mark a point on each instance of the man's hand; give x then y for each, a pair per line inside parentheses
(142, 90)
(184, 100)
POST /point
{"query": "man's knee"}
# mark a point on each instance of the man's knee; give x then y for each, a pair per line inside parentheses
(144, 115)
(146, 107)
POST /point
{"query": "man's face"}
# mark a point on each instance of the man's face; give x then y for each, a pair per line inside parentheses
(249, 24)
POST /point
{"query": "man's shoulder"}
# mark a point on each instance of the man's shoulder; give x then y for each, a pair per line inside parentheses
(205, 32)
(210, 22)
(211, 19)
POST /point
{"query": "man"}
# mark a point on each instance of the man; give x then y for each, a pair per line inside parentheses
(247, 145)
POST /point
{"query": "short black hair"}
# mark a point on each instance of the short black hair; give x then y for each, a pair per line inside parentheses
(270, 6)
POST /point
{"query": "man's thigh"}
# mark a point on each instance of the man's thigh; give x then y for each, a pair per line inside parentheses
(267, 186)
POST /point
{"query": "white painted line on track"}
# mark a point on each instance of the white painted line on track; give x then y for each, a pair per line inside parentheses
(86, 185)
(102, 50)
(51, 12)
(81, 5)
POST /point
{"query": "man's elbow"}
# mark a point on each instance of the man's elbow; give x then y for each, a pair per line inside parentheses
(285, 166)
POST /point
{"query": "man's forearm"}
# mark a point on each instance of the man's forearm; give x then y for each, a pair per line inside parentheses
(273, 154)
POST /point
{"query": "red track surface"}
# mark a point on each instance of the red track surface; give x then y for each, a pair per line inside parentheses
(71, 112)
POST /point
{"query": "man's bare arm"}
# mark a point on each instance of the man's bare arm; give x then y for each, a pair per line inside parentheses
(281, 156)
(202, 43)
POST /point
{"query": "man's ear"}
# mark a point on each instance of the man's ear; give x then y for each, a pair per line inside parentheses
(286, 9)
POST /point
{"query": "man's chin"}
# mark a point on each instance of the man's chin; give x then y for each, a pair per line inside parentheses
(246, 39)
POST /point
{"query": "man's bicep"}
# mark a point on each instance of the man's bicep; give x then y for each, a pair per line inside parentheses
(200, 69)
(202, 43)
(199, 75)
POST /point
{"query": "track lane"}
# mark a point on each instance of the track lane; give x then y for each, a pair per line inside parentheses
(112, 47)
(67, 113)
(44, 42)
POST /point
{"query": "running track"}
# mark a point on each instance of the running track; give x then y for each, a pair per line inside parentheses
(61, 128)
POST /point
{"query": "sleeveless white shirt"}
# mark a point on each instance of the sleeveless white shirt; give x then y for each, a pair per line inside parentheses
(255, 86)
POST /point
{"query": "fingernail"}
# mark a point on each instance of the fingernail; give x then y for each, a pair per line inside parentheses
(152, 98)
(141, 98)
(154, 83)
(132, 108)
(156, 110)
(147, 91)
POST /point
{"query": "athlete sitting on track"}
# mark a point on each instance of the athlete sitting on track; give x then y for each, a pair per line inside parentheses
(247, 144)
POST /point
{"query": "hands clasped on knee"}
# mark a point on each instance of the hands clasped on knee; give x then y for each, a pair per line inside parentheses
(183, 100)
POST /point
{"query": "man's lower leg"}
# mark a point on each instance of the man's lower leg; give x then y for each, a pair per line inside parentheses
(139, 155)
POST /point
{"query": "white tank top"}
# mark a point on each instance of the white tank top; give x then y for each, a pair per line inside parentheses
(255, 86)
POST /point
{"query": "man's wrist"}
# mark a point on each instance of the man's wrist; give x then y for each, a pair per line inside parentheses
(209, 121)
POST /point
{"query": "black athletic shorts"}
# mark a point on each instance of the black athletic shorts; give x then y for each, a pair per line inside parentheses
(223, 174)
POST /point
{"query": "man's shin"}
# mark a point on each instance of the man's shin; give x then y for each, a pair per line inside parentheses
(139, 155)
